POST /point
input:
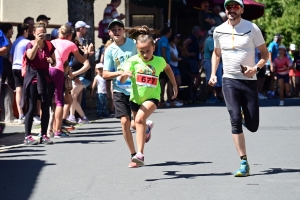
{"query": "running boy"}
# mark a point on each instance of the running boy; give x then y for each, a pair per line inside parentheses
(144, 70)
(115, 55)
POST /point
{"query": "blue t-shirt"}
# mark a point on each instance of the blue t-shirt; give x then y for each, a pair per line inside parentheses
(114, 57)
(17, 51)
(273, 48)
(208, 47)
(164, 42)
(3, 43)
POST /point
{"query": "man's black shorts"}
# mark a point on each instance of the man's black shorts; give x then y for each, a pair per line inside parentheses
(122, 106)
(135, 107)
(18, 78)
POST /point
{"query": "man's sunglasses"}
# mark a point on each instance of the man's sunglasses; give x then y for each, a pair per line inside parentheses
(234, 7)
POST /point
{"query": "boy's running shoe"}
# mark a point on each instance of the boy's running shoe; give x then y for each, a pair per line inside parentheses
(30, 141)
(244, 169)
(150, 125)
(45, 140)
(138, 159)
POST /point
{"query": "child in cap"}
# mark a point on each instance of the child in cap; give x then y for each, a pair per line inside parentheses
(101, 92)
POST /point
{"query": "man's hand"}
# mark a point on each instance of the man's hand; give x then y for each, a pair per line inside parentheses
(250, 72)
(212, 81)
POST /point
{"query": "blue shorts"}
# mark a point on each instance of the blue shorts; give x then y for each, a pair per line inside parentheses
(285, 77)
(219, 73)
(175, 71)
(84, 82)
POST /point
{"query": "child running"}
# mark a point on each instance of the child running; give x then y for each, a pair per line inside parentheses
(115, 56)
(144, 70)
(100, 83)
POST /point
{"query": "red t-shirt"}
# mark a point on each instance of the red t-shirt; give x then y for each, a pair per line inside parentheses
(297, 62)
(282, 65)
(40, 60)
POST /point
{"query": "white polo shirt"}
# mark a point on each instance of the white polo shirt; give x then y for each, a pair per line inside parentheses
(237, 46)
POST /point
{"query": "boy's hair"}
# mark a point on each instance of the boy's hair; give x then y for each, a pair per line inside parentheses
(27, 19)
(21, 28)
(165, 30)
(5, 27)
(141, 34)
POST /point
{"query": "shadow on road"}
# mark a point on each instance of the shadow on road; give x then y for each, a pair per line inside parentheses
(98, 128)
(91, 132)
(104, 122)
(174, 175)
(175, 163)
(84, 142)
(272, 171)
(22, 155)
(18, 177)
(75, 135)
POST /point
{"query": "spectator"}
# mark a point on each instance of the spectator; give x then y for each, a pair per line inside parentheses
(282, 65)
(216, 90)
(173, 41)
(191, 47)
(111, 13)
(273, 53)
(102, 95)
(37, 82)
(297, 72)
(44, 19)
(30, 22)
(16, 54)
(206, 20)
(54, 34)
(216, 16)
(7, 82)
(291, 55)
(81, 31)
(163, 50)
(261, 75)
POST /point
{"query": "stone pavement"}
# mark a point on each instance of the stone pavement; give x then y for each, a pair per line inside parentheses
(190, 156)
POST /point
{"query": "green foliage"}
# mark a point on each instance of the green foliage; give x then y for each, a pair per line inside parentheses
(281, 16)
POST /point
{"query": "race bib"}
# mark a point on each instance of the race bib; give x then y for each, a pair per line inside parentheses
(146, 80)
(126, 85)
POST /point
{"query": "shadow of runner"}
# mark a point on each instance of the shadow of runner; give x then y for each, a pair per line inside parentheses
(75, 135)
(18, 177)
(175, 163)
(84, 141)
(186, 176)
(272, 171)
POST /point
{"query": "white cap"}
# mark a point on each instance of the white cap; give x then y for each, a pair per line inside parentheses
(282, 47)
(80, 24)
(292, 47)
(99, 65)
(211, 31)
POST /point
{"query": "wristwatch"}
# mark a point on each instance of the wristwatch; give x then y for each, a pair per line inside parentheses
(257, 69)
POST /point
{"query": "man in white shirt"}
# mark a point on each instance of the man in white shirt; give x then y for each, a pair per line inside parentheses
(236, 40)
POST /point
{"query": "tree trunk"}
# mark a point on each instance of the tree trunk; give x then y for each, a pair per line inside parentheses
(83, 10)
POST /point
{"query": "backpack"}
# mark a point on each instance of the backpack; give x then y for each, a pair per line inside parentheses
(25, 59)
(100, 29)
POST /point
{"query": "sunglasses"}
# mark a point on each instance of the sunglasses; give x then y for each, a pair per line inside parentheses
(234, 7)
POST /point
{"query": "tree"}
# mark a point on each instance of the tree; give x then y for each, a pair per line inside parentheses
(82, 10)
(281, 16)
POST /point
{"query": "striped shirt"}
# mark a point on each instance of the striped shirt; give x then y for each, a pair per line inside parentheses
(110, 13)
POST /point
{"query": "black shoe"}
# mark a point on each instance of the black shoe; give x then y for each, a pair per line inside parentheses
(45, 140)
(30, 141)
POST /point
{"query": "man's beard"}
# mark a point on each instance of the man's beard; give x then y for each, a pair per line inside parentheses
(234, 16)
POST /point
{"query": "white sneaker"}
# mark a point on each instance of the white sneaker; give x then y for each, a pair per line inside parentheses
(167, 104)
(178, 104)
(36, 120)
(261, 96)
(21, 121)
(150, 124)
(281, 103)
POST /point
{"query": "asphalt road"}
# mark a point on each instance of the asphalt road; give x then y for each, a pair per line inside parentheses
(190, 156)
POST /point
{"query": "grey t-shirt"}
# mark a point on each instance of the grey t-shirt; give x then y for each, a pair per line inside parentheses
(237, 46)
